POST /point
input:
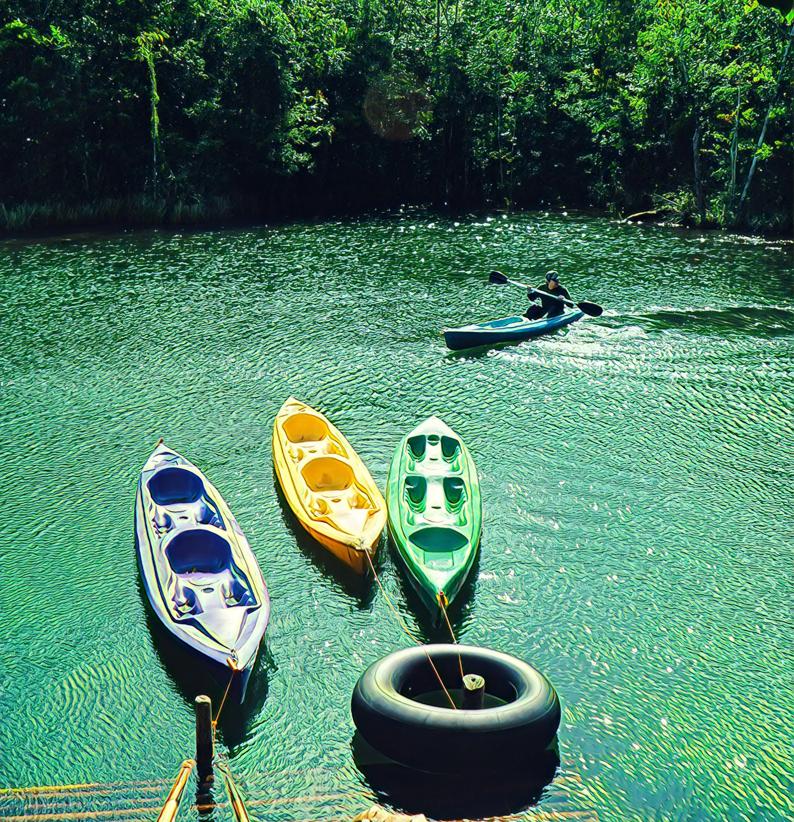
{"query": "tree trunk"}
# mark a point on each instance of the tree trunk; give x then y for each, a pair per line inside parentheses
(735, 145)
(766, 123)
(155, 122)
(698, 174)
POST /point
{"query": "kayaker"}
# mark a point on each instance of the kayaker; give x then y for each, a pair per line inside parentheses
(549, 307)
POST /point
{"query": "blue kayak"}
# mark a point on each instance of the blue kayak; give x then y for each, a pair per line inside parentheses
(200, 574)
(508, 330)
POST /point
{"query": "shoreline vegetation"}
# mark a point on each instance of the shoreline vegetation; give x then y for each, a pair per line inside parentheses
(199, 112)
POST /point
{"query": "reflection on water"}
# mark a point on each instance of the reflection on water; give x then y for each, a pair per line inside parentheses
(638, 501)
(442, 796)
(359, 587)
(192, 679)
(432, 627)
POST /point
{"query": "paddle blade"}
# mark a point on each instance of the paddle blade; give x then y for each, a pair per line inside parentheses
(591, 309)
(498, 278)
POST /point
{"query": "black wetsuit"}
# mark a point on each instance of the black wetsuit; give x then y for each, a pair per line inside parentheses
(548, 307)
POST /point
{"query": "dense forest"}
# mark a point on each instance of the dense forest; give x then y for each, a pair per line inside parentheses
(183, 111)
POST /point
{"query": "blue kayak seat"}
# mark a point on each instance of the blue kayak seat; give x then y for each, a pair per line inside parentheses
(174, 485)
(203, 549)
(204, 576)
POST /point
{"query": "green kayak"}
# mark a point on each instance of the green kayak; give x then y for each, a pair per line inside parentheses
(435, 510)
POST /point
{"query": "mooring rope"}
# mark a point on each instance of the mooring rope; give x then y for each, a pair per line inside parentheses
(232, 663)
(443, 602)
(405, 628)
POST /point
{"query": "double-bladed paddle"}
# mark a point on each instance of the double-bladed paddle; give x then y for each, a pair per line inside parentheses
(591, 309)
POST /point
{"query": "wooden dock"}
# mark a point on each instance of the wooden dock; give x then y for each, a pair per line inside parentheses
(565, 800)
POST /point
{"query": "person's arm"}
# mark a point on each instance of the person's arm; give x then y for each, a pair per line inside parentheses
(532, 294)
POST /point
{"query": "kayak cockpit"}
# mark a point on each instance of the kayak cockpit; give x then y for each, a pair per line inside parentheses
(330, 490)
(204, 580)
(505, 323)
(178, 499)
(434, 448)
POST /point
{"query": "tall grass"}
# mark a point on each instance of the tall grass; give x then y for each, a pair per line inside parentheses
(141, 210)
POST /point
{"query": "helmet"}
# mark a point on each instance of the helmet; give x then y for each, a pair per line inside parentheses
(552, 275)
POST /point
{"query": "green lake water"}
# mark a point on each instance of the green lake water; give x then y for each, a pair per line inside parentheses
(638, 496)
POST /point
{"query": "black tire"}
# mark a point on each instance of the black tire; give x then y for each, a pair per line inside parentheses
(444, 740)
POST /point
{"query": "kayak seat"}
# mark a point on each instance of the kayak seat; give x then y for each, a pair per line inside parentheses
(416, 491)
(174, 485)
(455, 493)
(328, 473)
(417, 446)
(450, 448)
(303, 427)
(198, 550)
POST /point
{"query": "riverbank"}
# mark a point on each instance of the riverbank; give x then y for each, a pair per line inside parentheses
(44, 222)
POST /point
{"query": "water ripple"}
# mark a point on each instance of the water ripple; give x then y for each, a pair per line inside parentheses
(636, 475)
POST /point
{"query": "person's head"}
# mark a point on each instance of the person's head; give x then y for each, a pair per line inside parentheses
(552, 278)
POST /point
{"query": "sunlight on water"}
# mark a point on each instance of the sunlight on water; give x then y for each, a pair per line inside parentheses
(637, 484)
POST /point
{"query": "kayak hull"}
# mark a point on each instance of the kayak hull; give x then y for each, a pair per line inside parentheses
(327, 486)
(434, 510)
(198, 570)
(507, 330)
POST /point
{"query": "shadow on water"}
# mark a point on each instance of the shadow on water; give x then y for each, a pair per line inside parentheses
(432, 626)
(760, 322)
(442, 796)
(479, 353)
(359, 587)
(192, 679)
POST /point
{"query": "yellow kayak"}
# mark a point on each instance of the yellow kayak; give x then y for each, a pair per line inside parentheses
(326, 484)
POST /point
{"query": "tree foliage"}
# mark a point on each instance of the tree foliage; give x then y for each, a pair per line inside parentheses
(278, 105)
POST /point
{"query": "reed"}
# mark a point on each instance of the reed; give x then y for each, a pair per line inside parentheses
(133, 210)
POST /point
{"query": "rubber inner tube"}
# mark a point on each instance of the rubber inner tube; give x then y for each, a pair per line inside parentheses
(390, 710)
